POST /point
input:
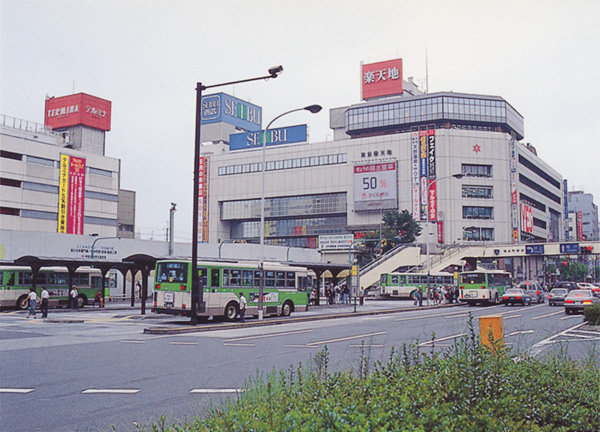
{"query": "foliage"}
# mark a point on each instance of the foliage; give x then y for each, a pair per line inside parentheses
(574, 271)
(399, 228)
(592, 314)
(467, 388)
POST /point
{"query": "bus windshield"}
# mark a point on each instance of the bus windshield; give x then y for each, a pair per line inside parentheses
(171, 272)
(472, 278)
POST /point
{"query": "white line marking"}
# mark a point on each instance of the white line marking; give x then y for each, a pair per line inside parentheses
(183, 343)
(239, 344)
(570, 317)
(546, 315)
(216, 391)
(16, 390)
(267, 335)
(513, 316)
(111, 391)
(538, 347)
(366, 346)
(592, 332)
(443, 339)
(452, 315)
(347, 338)
(520, 332)
(133, 341)
(299, 346)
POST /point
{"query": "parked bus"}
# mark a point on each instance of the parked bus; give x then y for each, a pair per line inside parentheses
(483, 286)
(286, 288)
(405, 285)
(15, 283)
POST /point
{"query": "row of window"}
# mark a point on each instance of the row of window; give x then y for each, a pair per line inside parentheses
(43, 215)
(41, 187)
(478, 234)
(284, 164)
(50, 162)
(290, 227)
(473, 170)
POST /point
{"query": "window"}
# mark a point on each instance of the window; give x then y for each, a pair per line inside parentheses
(470, 170)
(478, 212)
(34, 214)
(477, 192)
(100, 172)
(10, 155)
(478, 234)
(39, 187)
(40, 161)
(10, 182)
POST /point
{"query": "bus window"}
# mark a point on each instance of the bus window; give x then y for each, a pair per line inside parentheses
(270, 279)
(394, 280)
(10, 279)
(247, 278)
(25, 278)
(96, 282)
(1, 278)
(256, 278)
(280, 279)
(172, 272)
(202, 276)
(214, 278)
(235, 277)
(290, 280)
(473, 278)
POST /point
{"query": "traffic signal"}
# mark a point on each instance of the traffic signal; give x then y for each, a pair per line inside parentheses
(587, 250)
(565, 263)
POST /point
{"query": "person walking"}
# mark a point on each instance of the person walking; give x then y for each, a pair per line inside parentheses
(243, 305)
(44, 303)
(361, 296)
(74, 298)
(31, 300)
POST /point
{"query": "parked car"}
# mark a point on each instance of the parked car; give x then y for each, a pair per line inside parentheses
(516, 295)
(535, 290)
(565, 284)
(578, 299)
(585, 285)
(557, 296)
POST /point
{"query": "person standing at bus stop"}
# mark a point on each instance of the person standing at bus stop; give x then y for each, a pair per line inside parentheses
(243, 305)
(44, 303)
(74, 298)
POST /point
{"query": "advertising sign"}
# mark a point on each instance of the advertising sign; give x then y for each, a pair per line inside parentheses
(440, 228)
(569, 248)
(78, 109)
(526, 218)
(423, 161)
(579, 225)
(375, 186)
(566, 209)
(203, 199)
(335, 242)
(381, 79)
(432, 175)
(534, 250)
(514, 209)
(221, 107)
(71, 195)
(416, 197)
(285, 135)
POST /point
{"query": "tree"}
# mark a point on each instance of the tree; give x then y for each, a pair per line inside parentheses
(574, 271)
(399, 228)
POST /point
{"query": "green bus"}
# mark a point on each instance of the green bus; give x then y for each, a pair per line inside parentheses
(405, 285)
(483, 286)
(286, 288)
(15, 283)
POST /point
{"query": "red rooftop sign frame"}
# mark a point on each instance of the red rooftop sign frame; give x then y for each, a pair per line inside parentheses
(78, 109)
(381, 79)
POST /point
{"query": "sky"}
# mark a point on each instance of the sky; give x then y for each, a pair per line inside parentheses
(542, 56)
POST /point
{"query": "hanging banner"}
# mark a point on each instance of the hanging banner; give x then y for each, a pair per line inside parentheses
(432, 175)
(423, 173)
(514, 209)
(566, 209)
(416, 198)
(203, 200)
(579, 225)
(71, 195)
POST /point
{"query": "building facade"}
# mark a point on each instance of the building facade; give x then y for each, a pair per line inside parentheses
(583, 216)
(390, 153)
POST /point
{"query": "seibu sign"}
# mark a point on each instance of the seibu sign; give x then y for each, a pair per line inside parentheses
(381, 79)
(78, 109)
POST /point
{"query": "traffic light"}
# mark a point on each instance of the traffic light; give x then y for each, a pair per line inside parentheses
(587, 250)
(565, 263)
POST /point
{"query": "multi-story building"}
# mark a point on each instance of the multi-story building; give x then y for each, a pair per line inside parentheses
(583, 216)
(454, 158)
(56, 178)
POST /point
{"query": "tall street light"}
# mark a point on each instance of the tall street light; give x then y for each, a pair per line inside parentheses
(313, 109)
(429, 184)
(197, 292)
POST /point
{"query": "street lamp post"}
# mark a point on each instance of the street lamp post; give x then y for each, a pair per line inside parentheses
(429, 184)
(313, 109)
(197, 292)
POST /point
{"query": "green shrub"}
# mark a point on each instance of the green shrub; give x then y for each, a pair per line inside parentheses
(592, 314)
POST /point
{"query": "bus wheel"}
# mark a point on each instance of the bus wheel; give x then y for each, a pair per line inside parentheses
(287, 308)
(22, 303)
(231, 311)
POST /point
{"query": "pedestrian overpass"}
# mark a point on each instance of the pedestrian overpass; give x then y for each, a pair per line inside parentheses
(415, 256)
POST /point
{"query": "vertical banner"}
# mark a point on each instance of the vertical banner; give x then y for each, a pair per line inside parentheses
(440, 226)
(205, 201)
(566, 209)
(201, 188)
(432, 175)
(513, 189)
(526, 219)
(423, 173)
(579, 226)
(71, 195)
(416, 209)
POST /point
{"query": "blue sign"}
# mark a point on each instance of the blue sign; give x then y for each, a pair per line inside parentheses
(534, 250)
(285, 135)
(221, 107)
(569, 248)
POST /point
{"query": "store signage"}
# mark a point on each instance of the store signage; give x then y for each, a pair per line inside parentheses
(566, 209)
(78, 109)
(71, 194)
(569, 248)
(203, 171)
(432, 196)
(335, 242)
(416, 198)
(381, 79)
(285, 135)
(376, 186)
(579, 225)
(221, 107)
(534, 250)
(526, 218)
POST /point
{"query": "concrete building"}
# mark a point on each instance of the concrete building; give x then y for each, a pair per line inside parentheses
(583, 216)
(56, 177)
(398, 150)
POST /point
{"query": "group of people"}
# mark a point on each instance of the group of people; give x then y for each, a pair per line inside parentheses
(442, 294)
(44, 299)
(340, 294)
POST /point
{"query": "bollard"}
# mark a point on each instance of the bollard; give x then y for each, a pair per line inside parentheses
(493, 324)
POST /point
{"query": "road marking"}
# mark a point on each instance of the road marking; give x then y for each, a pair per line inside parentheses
(183, 343)
(512, 316)
(346, 338)
(216, 391)
(447, 314)
(239, 344)
(366, 346)
(16, 390)
(133, 341)
(546, 315)
(267, 335)
(592, 332)
(539, 347)
(299, 346)
(442, 339)
(520, 332)
(570, 317)
(111, 391)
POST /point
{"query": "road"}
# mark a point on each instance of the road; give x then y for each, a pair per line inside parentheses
(89, 371)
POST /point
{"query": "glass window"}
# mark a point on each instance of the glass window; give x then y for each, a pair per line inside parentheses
(215, 279)
(40, 161)
(100, 172)
(172, 272)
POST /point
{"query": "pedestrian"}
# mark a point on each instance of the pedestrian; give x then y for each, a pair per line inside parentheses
(450, 294)
(74, 298)
(361, 296)
(243, 305)
(346, 295)
(31, 301)
(138, 289)
(420, 295)
(44, 303)
(98, 299)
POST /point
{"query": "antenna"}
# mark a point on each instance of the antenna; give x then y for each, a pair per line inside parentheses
(426, 72)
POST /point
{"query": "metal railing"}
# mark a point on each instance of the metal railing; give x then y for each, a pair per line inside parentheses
(26, 125)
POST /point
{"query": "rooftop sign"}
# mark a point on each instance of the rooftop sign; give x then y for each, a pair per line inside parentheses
(78, 109)
(381, 79)
(221, 107)
(284, 135)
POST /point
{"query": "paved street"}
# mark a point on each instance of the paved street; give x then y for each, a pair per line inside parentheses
(90, 369)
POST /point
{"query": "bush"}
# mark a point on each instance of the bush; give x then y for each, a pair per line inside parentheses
(592, 314)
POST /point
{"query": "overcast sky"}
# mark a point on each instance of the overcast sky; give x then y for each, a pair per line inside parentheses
(543, 57)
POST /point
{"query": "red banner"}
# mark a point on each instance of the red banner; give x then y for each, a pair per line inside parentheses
(76, 195)
(526, 218)
(579, 225)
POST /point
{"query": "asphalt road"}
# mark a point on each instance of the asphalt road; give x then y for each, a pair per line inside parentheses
(87, 371)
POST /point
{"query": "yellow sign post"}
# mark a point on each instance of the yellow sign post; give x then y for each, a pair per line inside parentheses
(491, 328)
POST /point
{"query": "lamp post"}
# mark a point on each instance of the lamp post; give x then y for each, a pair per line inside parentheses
(429, 184)
(313, 109)
(197, 293)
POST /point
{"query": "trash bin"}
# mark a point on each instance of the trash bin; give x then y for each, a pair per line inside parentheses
(491, 327)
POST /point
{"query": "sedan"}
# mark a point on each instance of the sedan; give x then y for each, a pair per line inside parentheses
(534, 289)
(578, 299)
(557, 296)
(516, 295)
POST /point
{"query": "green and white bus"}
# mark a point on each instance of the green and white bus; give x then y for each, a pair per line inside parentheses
(484, 286)
(286, 288)
(405, 285)
(15, 283)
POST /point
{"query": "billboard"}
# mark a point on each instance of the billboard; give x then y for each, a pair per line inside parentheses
(78, 109)
(432, 175)
(336, 242)
(285, 135)
(376, 186)
(416, 198)
(71, 194)
(526, 218)
(381, 79)
(203, 188)
(221, 107)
